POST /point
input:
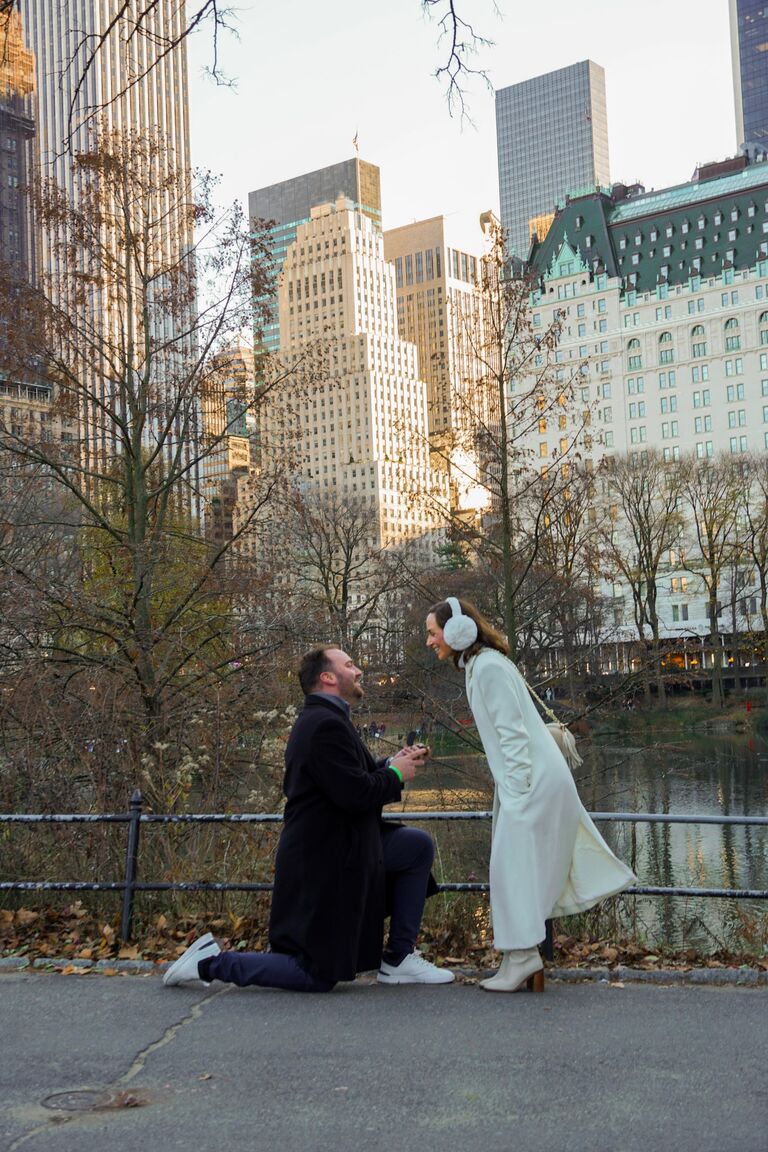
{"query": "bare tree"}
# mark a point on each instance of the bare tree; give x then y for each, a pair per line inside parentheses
(463, 44)
(568, 552)
(710, 489)
(150, 40)
(342, 573)
(643, 524)
(754, 509)
(149, 628)
(515, 394)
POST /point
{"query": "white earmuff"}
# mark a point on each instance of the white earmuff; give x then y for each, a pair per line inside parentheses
(459, 631)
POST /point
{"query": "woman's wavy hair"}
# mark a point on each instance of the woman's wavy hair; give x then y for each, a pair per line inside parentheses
(487, 635)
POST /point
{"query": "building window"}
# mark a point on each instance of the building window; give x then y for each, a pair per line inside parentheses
(633, 351)
(698, 341)
(732, 338)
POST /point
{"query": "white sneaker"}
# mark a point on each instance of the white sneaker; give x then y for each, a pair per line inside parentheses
(185, 968)
(414, 969)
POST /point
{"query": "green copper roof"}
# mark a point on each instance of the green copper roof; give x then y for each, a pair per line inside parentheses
(695, 229)
(668, 199)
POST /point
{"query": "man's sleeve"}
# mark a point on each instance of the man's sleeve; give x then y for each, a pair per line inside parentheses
(334, 766)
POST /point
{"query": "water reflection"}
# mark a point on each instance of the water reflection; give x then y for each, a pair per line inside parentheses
(712, 775)
(704, 775)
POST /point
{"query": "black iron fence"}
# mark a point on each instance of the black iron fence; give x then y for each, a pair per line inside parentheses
(135, 818)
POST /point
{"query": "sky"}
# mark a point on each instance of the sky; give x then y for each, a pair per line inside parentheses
(307, 76)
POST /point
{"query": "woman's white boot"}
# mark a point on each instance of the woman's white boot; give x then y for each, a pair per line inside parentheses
(517, 967)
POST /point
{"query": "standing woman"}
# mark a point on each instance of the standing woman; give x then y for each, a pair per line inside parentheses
(547, 857)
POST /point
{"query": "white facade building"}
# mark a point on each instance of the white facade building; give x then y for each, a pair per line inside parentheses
(663, 299)
(360, 429)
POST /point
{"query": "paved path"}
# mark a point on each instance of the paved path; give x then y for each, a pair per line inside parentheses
(584, 1068)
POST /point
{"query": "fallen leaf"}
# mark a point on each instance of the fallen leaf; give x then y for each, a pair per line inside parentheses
(24, 916)
(128, 952)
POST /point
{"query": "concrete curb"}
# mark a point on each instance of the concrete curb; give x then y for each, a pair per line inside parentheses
(714, 977)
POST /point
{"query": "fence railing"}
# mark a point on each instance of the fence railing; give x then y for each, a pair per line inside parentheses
(135, 818)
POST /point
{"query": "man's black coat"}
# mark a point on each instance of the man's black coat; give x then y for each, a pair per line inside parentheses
(328, 904)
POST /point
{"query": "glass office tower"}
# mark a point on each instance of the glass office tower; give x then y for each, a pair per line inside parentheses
(552, 139)
(749, 51)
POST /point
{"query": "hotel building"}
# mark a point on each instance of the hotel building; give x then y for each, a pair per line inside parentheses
(663, 298)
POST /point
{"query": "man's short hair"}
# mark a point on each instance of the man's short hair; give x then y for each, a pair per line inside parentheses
(312, 664)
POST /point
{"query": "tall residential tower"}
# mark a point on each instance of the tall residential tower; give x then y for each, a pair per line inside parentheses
(552, 139)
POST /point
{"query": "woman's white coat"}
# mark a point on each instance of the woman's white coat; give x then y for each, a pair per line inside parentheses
(547, 856)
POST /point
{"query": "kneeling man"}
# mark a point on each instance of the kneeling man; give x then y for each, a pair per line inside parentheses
(340, 869)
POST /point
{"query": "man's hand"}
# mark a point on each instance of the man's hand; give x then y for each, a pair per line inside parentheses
(409, 760)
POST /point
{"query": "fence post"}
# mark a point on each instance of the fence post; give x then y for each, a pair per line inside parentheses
(131, 862)
(548, 947)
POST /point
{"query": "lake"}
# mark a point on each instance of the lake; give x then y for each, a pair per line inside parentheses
(720, 773)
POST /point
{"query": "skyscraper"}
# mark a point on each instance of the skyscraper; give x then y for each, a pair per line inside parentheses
(440, 308)
(118, 71)
(17, 129)
(289, 205)
(125, 83)
(749, 51)
(361, 429)
(437, 283)
(552, 139)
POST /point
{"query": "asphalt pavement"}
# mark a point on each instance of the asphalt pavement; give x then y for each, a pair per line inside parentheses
(93, 1062)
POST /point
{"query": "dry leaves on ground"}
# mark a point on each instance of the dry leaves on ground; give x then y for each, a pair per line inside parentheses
(72, 934)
